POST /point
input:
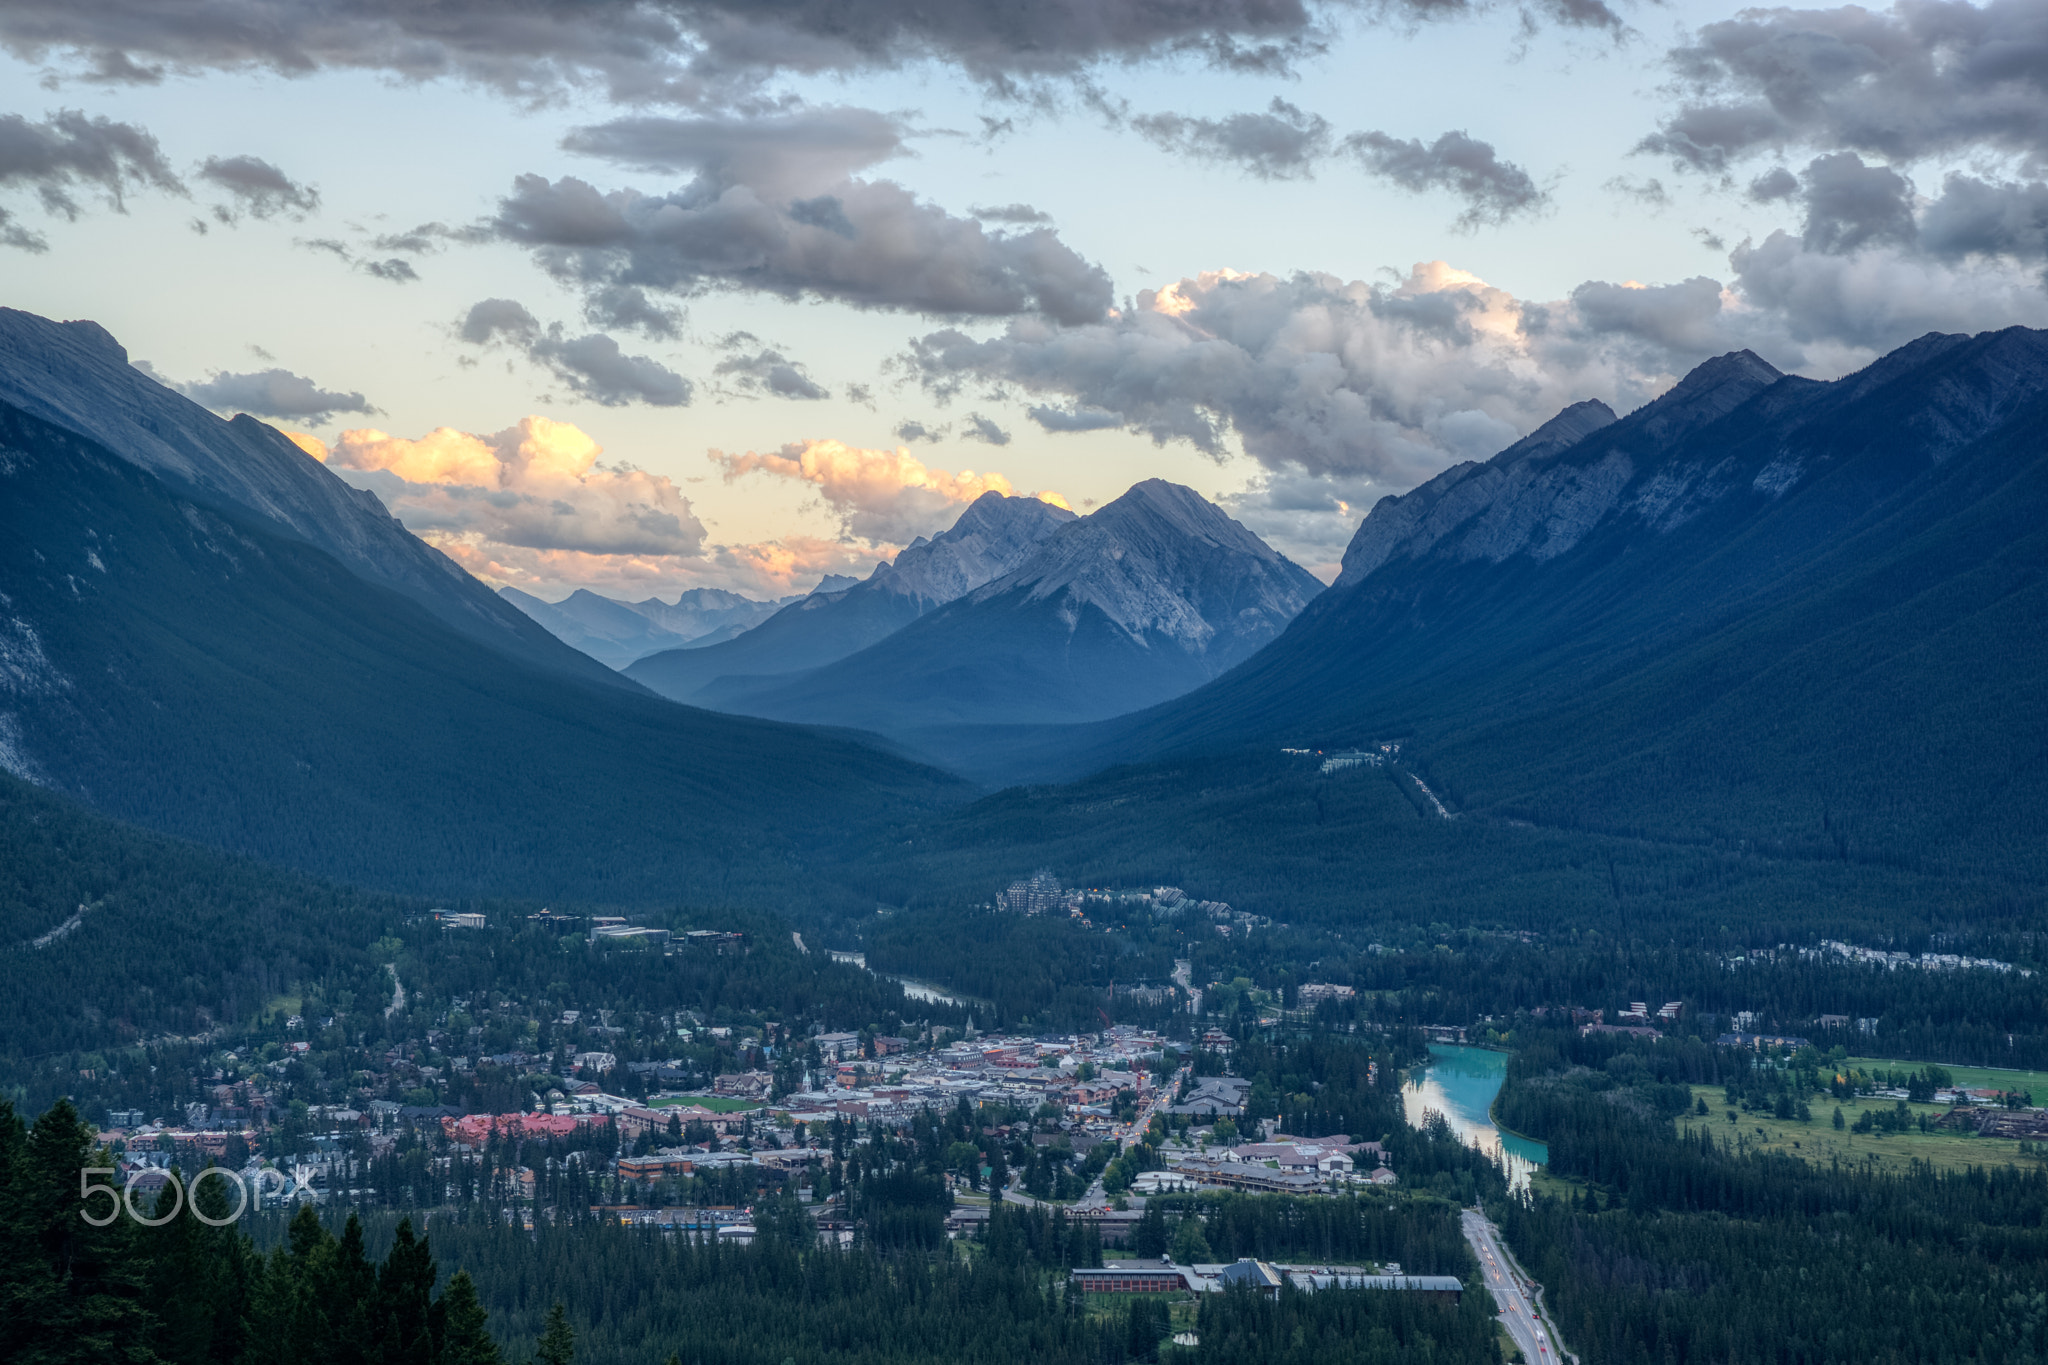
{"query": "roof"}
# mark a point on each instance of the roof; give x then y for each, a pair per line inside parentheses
(1257, 1274)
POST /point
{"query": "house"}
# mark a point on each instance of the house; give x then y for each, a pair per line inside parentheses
(1315, 992)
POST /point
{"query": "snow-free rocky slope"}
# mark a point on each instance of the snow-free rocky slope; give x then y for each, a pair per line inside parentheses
(76, 375)
(1149, 596)
(1761, 612)
(993, 535)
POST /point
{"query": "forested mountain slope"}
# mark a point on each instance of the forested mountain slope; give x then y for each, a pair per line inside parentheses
(183, 667)
(76, 376)
(1761, 612)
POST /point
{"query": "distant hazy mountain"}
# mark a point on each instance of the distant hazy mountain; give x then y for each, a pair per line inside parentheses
(993, 536)
(1759, 612)
(75, 375)
(616, 633)
(1152, 595)
(189, 667)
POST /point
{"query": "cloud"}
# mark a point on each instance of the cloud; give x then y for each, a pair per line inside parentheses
(1283, 143)
(257, 188)
(909, 429)
(1080, 418)
(1851, 205)
(1973, 218)
(1286, 143)
(1494, 191)
(1344, 390)
(979, 428)
(773, 207)
(769, 371)
(534, 486)
(397, 270)
(273, 393)
(691, 52)
(1009, 213)
(1918, 80)
(68, 150)
(593, 366)
(879, 496)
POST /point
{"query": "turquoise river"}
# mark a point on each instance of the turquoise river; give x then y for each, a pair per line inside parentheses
(1460, 1083)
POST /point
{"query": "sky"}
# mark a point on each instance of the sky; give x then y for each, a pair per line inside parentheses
(642, 297)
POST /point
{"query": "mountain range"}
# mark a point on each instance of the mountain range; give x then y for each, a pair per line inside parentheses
(176, 658)
(1147, 597)
(616, 633)
(992, 536)
(1761, 612)
(1759, 617)
(76, 376)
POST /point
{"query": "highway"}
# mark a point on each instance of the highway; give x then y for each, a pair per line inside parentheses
(1511, 1293)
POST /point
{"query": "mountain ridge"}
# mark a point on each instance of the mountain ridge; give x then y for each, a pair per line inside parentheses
(992, 535)
(77, 376)
(1147, 596)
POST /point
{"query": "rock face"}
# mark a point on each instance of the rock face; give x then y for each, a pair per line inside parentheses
(616, 633)
(992, 537)
(75, 375)
(1150, 596)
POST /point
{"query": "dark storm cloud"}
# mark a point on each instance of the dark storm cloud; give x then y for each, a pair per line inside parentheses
(1494, 190)
(1282, 143)
(258, 188)
(1924, 78)
(273, 393)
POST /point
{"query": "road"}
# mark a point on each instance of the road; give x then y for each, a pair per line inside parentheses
(1095, 1196)
(1512, 1293)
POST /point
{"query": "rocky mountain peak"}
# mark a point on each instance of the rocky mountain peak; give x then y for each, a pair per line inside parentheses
(992, 536)
(1159, 559)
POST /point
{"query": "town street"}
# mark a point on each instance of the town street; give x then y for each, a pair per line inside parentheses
(1511, 1292)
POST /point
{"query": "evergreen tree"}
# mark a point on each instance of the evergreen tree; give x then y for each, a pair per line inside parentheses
(557, 1340)
(464, 1337)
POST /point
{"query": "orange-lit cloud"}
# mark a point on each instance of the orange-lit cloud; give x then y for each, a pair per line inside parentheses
(533, 507)
(536, 486)
(881, 496)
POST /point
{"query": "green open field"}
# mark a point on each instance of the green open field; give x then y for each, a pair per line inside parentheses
(1817, 1140)
(1970, 1077)
(717, 1104)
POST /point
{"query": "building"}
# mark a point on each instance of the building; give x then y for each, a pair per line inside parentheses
(1315, 992)
(629, 933)
(1261, 1277)
(1038, 894)
(461, 921)
(1760, 1040)
(838, 1047)
(1134, 1277)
